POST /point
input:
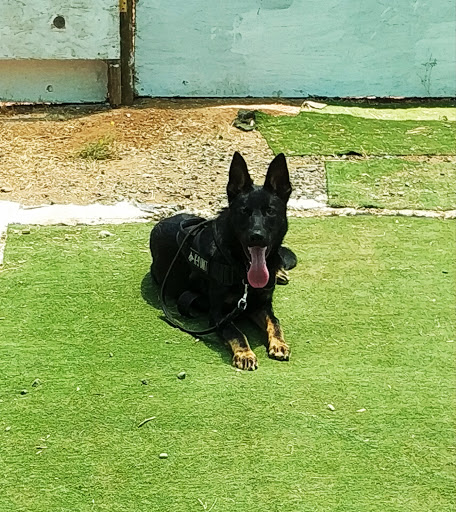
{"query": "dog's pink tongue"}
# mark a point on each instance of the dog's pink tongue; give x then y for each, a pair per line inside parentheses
(258, 274)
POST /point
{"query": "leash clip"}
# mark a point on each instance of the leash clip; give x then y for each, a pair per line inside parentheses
(242, 303)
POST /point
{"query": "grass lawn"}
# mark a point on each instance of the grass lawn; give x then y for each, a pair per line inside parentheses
(392, 183)
(371, 320)
(332, 134)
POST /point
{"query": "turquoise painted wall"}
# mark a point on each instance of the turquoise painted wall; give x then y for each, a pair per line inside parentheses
(88, 29)
(294, 48)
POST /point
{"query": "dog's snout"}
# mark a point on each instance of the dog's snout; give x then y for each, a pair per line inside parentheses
(257, 237)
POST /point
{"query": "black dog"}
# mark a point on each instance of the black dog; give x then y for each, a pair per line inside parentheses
(238, 252)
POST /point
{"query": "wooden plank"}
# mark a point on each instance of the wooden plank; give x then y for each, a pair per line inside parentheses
(58, 29)
(127, 50)
(114, 83)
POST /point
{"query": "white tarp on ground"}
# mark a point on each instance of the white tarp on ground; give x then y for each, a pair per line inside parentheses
(79, 214)
(13, 213)
(7, 211)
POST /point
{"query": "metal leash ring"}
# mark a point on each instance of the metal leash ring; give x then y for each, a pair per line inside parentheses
(242, 302)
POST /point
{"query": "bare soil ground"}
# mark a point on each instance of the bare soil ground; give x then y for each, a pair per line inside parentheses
(174, 152)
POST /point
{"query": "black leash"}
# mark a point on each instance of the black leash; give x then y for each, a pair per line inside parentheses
(240, 307)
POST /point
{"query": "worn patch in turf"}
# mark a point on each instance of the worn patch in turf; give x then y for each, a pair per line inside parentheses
(392, 183)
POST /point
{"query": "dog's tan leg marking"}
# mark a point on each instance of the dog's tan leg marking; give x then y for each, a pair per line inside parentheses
(282, 276)
(243, 356)
(277, 348)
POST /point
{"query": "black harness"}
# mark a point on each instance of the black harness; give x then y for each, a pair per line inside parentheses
(201, 257)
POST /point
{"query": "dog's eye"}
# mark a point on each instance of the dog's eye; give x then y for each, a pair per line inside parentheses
(269, 211)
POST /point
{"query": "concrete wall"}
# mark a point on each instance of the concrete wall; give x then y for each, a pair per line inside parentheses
(29, 29)
(54, 81)
(54, 50)
(296, 48)
(239, 48)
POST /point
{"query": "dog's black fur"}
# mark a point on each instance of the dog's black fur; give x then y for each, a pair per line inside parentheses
(255, 220)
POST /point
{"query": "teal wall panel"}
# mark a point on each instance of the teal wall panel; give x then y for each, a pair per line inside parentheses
(53, 81)
(56, 51)
(58, 29)
(295, 48)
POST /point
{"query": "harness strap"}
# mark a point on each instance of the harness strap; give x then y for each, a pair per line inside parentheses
(225, 254)
(220, 272)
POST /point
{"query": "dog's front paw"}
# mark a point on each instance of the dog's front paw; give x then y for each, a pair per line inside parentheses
(282, 276)
(245, 360)
(278, 349)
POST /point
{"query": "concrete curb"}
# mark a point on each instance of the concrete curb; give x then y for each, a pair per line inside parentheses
(328, 211)
(125, 212)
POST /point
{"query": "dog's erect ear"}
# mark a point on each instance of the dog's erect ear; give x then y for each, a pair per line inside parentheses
(240, 180)
(277, 179)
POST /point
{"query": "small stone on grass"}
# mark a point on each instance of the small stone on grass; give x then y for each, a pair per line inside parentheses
(163, 455)
(105, 234)
(181, 375)
(331, 407)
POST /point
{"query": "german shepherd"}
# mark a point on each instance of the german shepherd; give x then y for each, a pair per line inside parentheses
(240, 250)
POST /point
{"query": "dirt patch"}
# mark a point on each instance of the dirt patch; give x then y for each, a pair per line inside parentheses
(164, 151)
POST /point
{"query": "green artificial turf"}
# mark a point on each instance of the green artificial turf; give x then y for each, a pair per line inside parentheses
(332, 134)
(369, 314)
(392, 183)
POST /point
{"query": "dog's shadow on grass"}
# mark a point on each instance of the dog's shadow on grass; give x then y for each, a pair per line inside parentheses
(150, 292)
